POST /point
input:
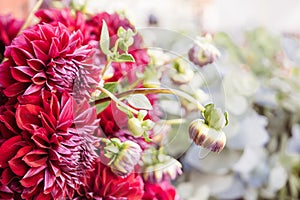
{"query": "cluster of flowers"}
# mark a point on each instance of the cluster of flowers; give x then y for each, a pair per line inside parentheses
(60, 136)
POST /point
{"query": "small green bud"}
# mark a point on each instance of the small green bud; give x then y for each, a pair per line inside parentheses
(214, 117)
(135, 127)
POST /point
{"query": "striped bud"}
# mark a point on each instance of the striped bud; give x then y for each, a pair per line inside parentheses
(207, 137)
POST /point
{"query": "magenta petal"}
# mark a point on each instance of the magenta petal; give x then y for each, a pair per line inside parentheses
(39, 53)
(36, 64)
(66, 116)
(40, 138)
(15, 89)
(22, 73)
(8, 149)
(49, 181)
(28, 115)
(54, 51)
(33, 177)
(36, 158)
(32, 89)
(39, 78)
(20, 56)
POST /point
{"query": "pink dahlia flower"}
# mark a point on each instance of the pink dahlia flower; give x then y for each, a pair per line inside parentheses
(45, 148)
(9, 28)
(102, 183)
(47, 56)
(159, 191)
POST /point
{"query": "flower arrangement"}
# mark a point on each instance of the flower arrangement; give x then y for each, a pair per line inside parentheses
(260, 76)
(80, 115)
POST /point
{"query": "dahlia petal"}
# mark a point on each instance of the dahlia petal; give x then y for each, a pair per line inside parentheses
(63, 150)
(39, 53)
(8, 118)
(5, 75)
(47, 123)
(36, 158)
(36, 64)
(49, 181)
(22, 73)
(65, 119)
(15, 89)
(28, 114)
(33, 177)
(40, 138)
(20, 56)
(39, 78)
(54, 51)
(46, 31)
(32, 89)
(7, 176)
(16, 164)
(51, 105)
(54, 155)
(55, 170)
(6, 193)
(8, 149)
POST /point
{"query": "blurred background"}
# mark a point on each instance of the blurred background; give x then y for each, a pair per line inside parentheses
(258, 79)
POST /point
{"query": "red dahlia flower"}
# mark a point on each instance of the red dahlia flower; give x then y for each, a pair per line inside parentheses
(102, 183)
(159, 191)
(9, 28)
(47, 56)
(66, 17)
(47, 154)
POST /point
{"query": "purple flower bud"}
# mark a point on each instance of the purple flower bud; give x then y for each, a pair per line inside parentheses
(203, 52)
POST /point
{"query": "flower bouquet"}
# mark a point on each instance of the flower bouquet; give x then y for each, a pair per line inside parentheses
(80, 114)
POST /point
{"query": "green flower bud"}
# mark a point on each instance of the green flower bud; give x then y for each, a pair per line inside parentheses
(135, 127)
(138, 126)
(207, 137)
(214, 117)
(183, 73)
(123, 156)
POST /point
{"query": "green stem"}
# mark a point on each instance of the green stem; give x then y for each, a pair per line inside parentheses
(172, 121)
(30, 16)
(118, 101)
(154, 91)
(108, 58)
(106, 67)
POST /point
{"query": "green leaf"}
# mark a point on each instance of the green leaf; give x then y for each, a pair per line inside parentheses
(226, 118)
(104, 39)
(110, 86)
(139, 101)
(124, 58)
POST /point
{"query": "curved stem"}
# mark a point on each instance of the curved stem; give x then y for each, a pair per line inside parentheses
(30, 16)
(155, 91)
(117, 100)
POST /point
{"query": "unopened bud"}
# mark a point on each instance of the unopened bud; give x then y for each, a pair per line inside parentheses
(123, 156)
(157, 166)
(207, 137)
(203, 52)
(183, 73)
(135, 127)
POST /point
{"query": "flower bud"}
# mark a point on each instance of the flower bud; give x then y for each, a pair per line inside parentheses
(207, 137)
(203, 52)
(135, 127)
(157, 166)
(183, 73)
(123, 156)
(214, 117)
